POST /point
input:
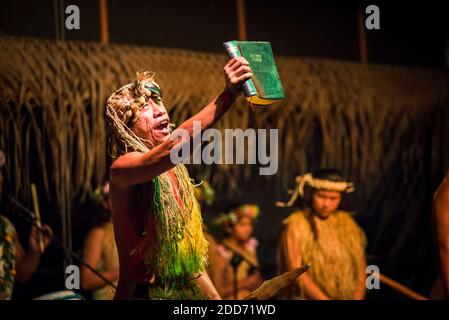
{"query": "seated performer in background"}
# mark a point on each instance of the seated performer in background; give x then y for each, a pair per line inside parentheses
(325, 236)
(237, 244)
(15, 262)
(100, 250)
(441, 225)
(157, 220)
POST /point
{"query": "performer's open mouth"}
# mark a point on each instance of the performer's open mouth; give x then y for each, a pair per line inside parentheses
(162, 126)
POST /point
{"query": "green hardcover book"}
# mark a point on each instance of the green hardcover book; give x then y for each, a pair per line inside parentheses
(265, 86)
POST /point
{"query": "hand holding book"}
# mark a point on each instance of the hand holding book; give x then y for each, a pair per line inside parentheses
(237, 71)
(265, 86)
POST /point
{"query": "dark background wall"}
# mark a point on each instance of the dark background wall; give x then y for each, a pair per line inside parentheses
(410, 34)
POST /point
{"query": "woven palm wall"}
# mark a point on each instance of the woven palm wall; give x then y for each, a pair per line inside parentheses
(381, 125)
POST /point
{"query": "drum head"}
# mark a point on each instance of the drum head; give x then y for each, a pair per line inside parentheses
(61, 295)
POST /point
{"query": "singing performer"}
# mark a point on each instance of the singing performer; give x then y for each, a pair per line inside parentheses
(157, 220)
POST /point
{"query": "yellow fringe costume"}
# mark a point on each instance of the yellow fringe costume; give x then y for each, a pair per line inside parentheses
(334, 246)
(174, 246)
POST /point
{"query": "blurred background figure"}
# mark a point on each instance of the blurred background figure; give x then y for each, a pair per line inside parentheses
(323, 234)
(16, 263)
(236, 254)
(100, 250)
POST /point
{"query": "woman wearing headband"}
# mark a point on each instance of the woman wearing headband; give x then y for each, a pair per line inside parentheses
(323, 234)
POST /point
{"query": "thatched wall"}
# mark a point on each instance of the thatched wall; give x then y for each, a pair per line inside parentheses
(380, 124)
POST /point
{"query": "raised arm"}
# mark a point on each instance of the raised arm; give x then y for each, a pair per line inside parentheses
(135, 167)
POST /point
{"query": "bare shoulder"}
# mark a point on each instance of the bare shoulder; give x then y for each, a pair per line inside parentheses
(441, 196)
